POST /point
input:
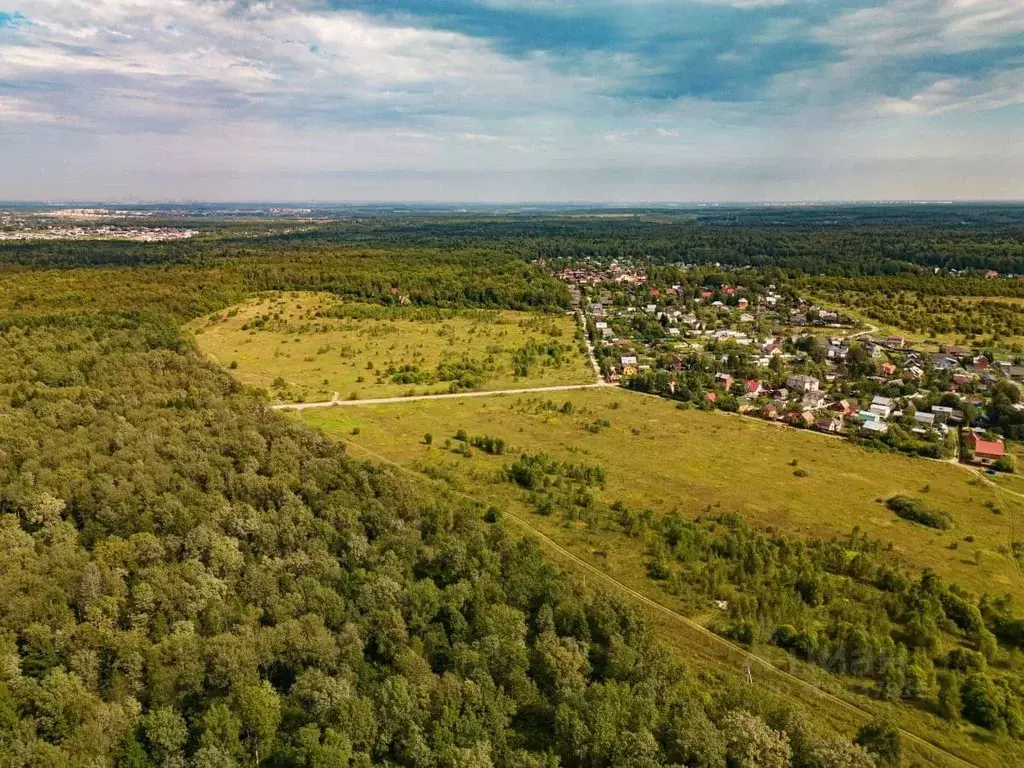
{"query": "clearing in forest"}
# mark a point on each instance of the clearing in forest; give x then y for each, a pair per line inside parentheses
(304, 347)
(694, 462)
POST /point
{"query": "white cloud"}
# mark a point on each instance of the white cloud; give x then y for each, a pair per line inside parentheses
(261, 59)
(187, 89)
(18, 110)
(959, 94)
(909, 27)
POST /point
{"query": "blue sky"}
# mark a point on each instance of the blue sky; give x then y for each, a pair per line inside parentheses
(509, 100)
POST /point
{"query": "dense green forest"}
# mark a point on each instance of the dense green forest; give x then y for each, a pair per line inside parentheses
(844, 240)
(421, 277)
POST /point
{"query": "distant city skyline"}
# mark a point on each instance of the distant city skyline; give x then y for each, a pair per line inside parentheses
(512, 101)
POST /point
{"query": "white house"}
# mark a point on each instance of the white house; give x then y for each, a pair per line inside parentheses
(882, 411)
(803, 383)
(928, 419)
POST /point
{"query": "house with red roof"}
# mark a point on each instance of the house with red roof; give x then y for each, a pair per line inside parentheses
(753, 388)
(984, 451)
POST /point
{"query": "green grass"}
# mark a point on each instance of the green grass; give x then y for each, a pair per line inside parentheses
(692, 461)
(314, 345)
(1014, 481)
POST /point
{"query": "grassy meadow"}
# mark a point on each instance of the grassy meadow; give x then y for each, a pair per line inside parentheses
(657, 456)
(307, 346)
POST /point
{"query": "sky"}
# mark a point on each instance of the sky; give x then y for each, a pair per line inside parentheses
(627, 101)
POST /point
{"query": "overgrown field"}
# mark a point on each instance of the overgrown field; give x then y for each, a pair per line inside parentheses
(657, 456)
(307, 346)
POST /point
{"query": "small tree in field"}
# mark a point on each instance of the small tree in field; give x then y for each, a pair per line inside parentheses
(882, 740)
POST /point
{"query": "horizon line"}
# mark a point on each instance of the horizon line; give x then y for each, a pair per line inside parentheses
(521, 203)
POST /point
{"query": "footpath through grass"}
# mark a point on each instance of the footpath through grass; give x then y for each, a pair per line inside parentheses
(307, 346)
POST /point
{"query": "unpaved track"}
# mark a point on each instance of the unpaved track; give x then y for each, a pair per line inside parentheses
(445, 396)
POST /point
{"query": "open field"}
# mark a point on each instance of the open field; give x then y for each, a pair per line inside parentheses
(307, 346)
(619, 567)
(657, 456)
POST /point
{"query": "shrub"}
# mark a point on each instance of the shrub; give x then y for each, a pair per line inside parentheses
(492, 445)
(981, 701)
(882, 740)
(916, 511)
(950, 705)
